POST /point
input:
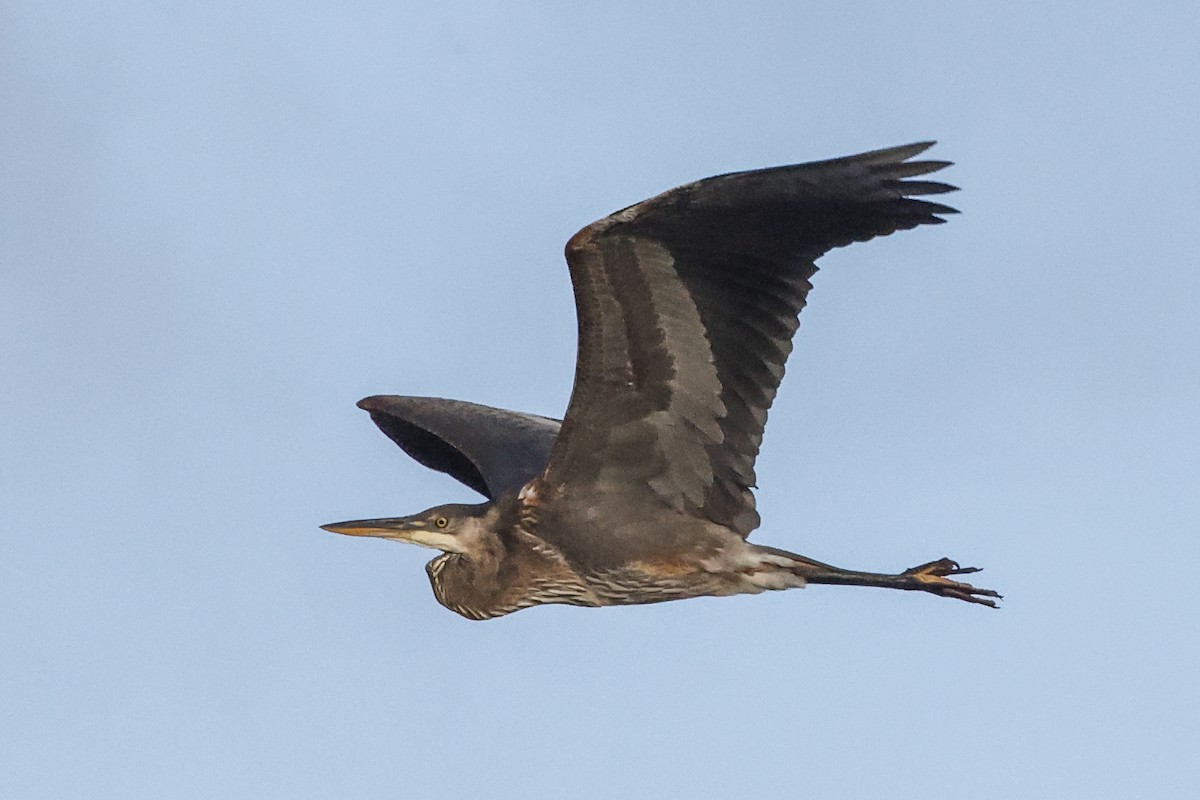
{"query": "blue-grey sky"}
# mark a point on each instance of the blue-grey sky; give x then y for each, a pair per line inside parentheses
(222, 223)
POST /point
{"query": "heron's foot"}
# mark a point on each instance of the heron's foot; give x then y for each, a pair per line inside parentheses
(932, 578)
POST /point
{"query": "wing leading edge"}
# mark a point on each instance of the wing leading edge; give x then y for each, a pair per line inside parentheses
(492, 450)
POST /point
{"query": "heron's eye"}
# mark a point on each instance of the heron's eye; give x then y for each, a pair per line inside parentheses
(441, 522)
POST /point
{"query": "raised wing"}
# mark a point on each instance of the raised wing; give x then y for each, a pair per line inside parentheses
(492, 450)
(687, 305)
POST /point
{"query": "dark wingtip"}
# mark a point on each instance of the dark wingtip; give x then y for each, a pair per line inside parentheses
(926, 187)
(373, 404)
(935, 208)
(891, 155)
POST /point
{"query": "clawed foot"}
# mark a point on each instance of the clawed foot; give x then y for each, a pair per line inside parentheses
(932, 578)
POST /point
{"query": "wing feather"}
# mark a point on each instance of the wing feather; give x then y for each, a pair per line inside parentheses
(491, 450)
(687, 305)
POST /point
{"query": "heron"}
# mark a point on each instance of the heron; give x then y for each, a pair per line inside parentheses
(687, 305)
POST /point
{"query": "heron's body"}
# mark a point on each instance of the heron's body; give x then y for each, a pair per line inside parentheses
(687, 304)
(529, 564)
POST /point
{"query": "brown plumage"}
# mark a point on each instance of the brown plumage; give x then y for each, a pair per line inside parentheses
(687, 306)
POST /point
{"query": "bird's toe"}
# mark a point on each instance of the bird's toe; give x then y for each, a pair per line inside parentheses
(932, 578)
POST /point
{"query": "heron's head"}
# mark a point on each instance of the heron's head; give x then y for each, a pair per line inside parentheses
(452, 528)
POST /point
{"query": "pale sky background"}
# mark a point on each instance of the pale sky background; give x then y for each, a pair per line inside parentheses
(222, 223)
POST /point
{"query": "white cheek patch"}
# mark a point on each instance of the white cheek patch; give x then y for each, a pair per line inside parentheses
(433, 539)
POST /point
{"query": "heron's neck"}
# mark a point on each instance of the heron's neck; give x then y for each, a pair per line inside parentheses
(509, 570)
(473, 584)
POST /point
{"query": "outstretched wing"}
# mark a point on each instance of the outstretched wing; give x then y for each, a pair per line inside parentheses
(489, 449)
(687, 305)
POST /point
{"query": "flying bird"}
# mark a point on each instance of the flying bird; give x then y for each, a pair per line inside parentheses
(687, 304)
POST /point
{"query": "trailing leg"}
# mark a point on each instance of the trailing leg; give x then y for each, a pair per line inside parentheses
(932, 577)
